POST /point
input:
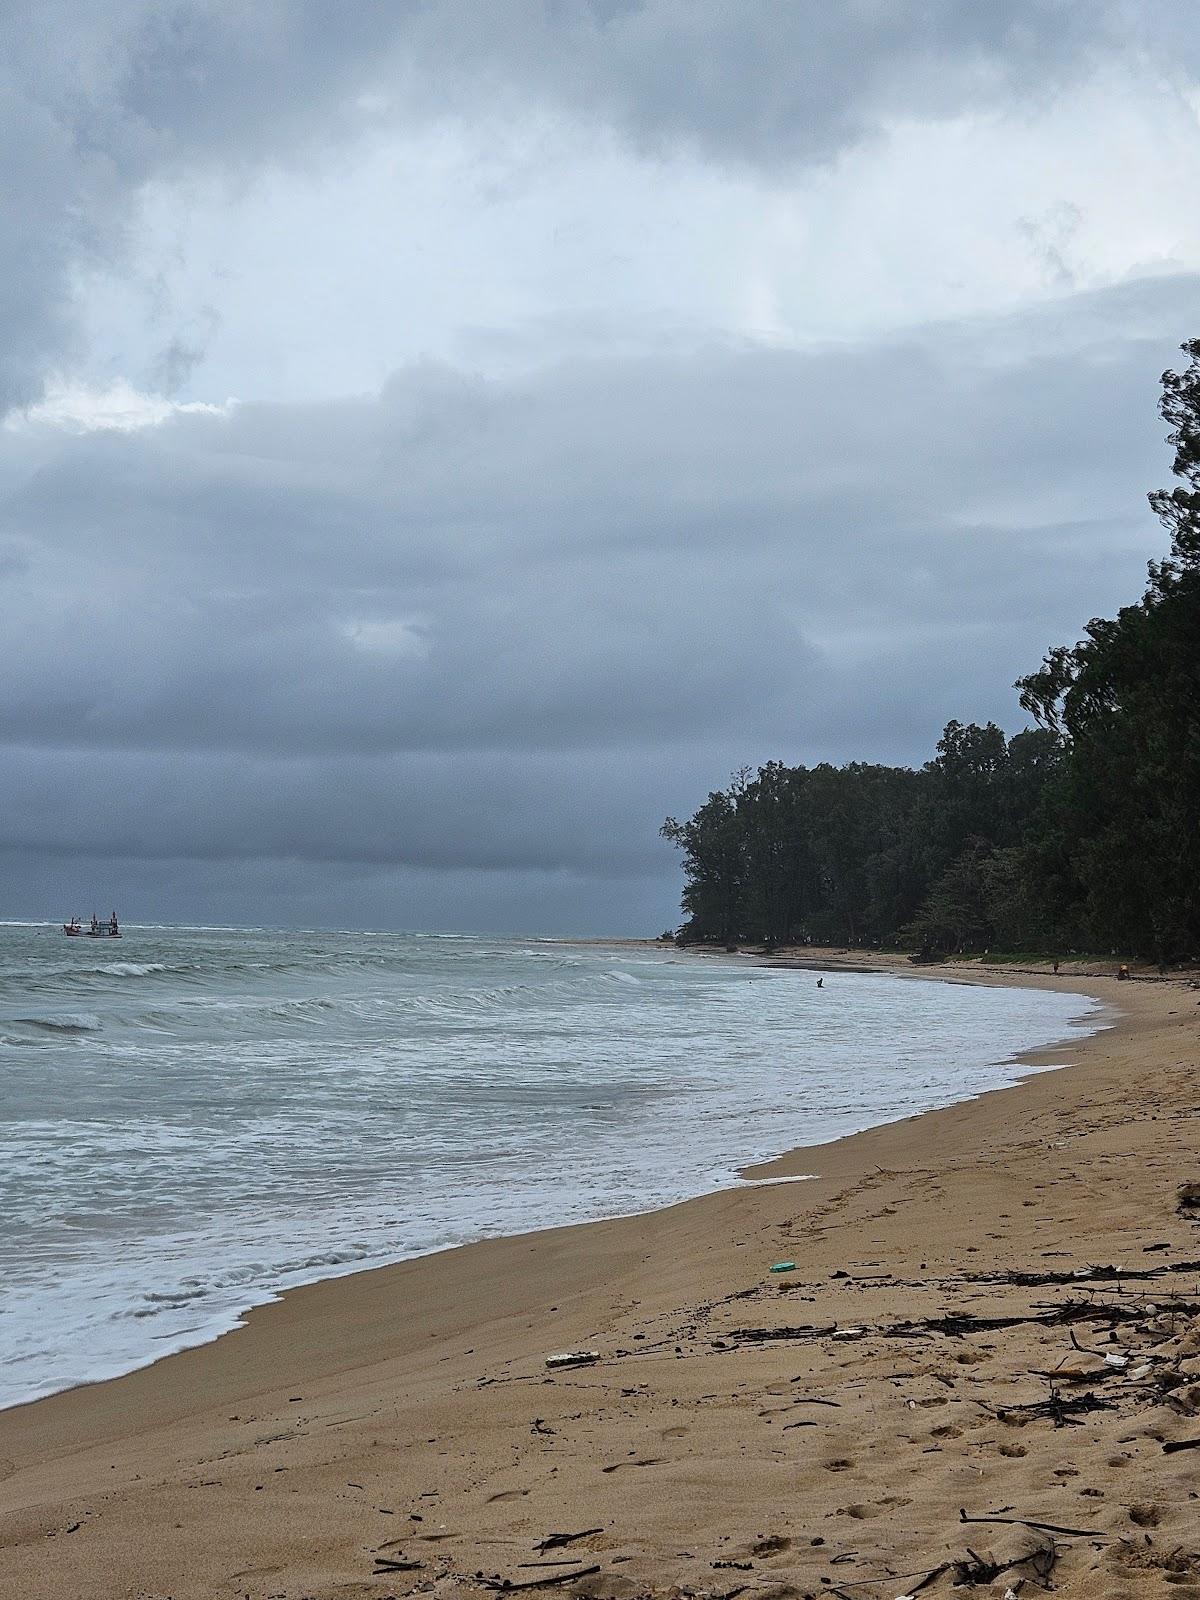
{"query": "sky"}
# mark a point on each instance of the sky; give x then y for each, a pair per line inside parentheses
(440, 440)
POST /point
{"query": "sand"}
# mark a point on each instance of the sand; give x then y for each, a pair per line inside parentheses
(406, 1416)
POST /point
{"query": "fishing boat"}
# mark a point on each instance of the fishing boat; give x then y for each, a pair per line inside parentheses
(94, 930)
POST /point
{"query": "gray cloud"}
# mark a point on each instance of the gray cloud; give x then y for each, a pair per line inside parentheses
(754, 80)
(503, 627)
(97, 101)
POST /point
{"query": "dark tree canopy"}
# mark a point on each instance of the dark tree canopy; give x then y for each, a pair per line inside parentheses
(1080, 834)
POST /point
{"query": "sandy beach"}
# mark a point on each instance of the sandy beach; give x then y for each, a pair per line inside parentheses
(983, 1370)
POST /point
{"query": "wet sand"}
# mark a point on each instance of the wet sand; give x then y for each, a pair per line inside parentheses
(995, 1311)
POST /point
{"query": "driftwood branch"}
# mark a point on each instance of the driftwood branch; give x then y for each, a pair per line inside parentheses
(556, 1541)
(507, 1586)
(1042, 1527)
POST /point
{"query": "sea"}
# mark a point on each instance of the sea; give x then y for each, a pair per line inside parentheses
(194, 1119)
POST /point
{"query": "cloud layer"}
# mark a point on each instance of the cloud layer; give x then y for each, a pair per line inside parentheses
(97, 101)
(504, 627)
(458, 643)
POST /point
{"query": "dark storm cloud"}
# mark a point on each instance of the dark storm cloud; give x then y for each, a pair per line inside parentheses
(97, 100)
(505, 626)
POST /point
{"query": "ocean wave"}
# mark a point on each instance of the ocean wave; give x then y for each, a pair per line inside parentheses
(65, 1022)
(130, 969)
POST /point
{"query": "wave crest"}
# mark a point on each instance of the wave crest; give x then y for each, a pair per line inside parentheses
(64, 1022)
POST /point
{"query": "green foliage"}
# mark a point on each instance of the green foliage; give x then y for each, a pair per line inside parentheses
(1127, 701)
(1081, 833)
(861, 854)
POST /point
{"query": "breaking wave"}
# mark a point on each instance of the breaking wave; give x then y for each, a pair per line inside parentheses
(78, 1022)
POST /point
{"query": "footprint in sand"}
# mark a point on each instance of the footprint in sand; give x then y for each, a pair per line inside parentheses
(1013, 1450)
(839, 1464)
(506, 1494)
(674, 1433)
(773, 1545)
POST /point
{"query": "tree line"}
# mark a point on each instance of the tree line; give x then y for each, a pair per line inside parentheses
(1081, 834)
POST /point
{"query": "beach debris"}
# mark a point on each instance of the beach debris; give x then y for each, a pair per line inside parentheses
(1170, 1446)
(926, 1578)
(783, 1266)
(1188, 1198)
(1028, 1522)
(507, 1586)
(567, 1561)
(1089, 1274)
(573, 1358)
(1037, 1553)
(955, 1325)
(556, 1541)
(1097, 1372)
(387, 1564)
(806, 1330)
(1062, 1412)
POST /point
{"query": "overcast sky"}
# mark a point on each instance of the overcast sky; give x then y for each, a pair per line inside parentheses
(441, 438)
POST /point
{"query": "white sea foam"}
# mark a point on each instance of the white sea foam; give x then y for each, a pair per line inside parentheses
(277, 1108)
(62, 1022)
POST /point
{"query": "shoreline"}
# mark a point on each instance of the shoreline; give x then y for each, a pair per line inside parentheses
(406, 1365)
(712, 1178)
